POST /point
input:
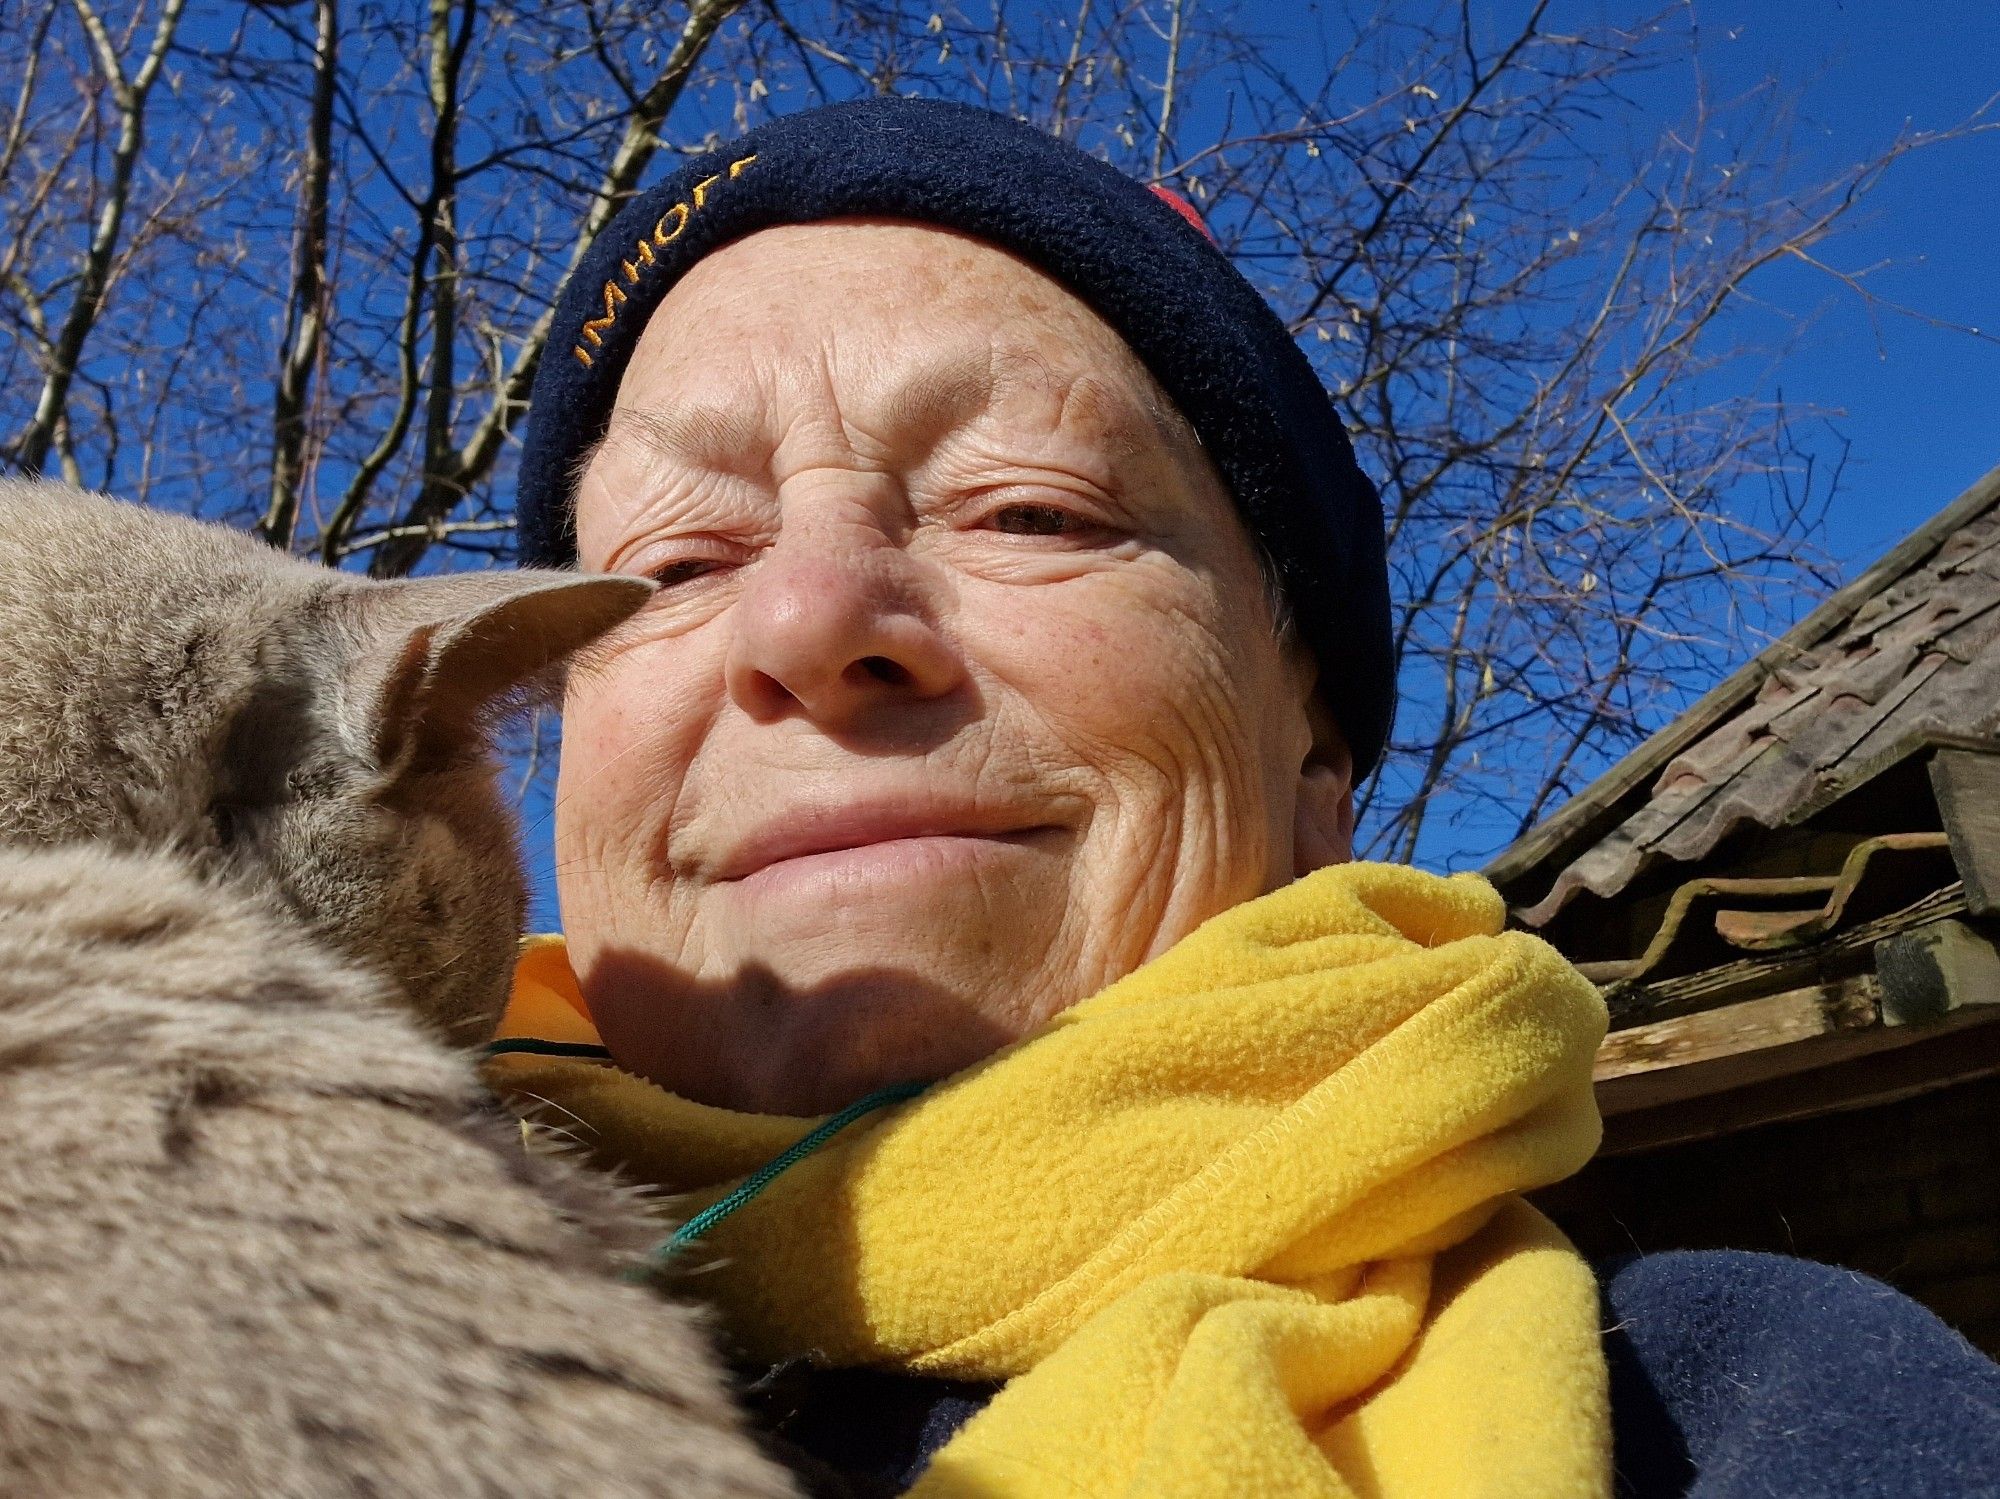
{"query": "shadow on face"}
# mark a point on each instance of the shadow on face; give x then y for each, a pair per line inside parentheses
(747, 1025)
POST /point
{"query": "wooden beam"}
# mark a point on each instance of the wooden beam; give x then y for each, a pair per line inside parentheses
(1692, 1056)
(1909, 1060)
(1755, 1025)
(1931, 970)
(1967, 784)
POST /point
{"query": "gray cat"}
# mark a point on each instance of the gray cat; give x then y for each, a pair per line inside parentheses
(257, 891)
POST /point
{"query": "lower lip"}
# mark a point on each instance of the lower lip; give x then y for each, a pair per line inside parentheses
(875, 867)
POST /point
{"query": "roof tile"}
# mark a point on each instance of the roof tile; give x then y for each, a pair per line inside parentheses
(1922, 652)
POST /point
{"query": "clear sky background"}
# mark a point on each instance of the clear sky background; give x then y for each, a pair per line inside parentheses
(1919, 405)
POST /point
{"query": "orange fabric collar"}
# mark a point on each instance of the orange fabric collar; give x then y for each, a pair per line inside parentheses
(547, 1004)
(623, 1121)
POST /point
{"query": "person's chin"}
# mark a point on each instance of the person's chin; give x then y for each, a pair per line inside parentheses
(838, 1039)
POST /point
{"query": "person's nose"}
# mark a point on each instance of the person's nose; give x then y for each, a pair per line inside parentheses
(832, 624)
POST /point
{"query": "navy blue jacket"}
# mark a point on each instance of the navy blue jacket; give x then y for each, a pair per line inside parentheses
(1733, 1376)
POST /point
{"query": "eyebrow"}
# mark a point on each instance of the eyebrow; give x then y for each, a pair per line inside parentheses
(703, 434)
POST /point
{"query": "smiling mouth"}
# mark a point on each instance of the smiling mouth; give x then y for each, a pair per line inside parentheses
(854, 840)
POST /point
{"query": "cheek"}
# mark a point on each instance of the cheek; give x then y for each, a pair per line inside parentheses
(631, 727)
(1141, 673)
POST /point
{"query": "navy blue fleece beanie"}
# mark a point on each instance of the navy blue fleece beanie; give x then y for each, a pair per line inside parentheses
(1211, 341)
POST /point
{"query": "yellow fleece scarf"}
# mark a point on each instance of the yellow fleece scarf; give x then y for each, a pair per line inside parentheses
(1241, 1224)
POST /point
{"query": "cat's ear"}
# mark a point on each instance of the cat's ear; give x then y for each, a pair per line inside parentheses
(429, 658)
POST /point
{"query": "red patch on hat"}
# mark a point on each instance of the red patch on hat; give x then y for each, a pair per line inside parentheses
(1182, 207)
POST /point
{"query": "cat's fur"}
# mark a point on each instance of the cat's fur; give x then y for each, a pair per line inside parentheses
(258, 1235)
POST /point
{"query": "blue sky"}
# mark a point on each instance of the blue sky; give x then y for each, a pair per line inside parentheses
(1919, 405)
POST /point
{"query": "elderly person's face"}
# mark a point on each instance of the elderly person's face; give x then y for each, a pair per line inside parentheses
(960, 699)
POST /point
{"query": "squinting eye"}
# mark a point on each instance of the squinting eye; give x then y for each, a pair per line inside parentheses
(683, 571)
(1033, 520)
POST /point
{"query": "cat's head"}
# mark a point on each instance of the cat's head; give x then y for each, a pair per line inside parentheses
(322, 737)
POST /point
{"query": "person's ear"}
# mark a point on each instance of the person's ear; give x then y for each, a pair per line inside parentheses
(1323, 819)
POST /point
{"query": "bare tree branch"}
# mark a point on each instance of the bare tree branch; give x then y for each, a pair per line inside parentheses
(31, 448)
(450, 481)
(307, 305)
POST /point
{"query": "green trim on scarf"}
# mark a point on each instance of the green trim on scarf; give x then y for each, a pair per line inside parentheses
(764, 1175)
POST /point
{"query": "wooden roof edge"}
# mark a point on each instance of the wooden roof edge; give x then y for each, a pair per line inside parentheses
(1820, 1075)
(1604, 802)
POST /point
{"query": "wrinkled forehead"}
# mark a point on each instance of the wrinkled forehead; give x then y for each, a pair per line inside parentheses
(911, 399)
(921, 329)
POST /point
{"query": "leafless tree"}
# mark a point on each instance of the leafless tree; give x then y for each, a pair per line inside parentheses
(94, 112)
(293, 263)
